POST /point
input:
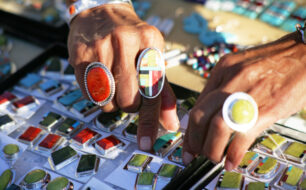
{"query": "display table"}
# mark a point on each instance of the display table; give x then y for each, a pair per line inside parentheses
(249, 32)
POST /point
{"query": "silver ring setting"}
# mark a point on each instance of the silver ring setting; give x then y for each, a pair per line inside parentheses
(240, 111)
(151, 72)
(99, 83)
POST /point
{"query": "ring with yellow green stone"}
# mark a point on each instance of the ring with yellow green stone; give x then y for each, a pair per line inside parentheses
(240, 112)
(60, 183)
(303, 113)
(145, 180)
(35, 179)
(7, 178)
(11, 151)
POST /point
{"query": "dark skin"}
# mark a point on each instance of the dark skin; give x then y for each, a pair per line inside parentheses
(273, 74)
(114, 35)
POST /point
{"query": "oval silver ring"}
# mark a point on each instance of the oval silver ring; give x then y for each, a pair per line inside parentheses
(151, 72)
(228, 107)
(99, 83)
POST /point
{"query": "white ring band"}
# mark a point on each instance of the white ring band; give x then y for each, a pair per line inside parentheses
(227, 107)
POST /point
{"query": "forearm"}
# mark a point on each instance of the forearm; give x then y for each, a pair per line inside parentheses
(106, 10)
(69, 2)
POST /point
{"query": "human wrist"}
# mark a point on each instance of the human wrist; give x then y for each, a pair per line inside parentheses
(75, 7)
(69, 2)
(106, 13)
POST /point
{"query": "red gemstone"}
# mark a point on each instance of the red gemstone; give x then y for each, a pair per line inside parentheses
(206, 75)
(285, 178)
(49, 141)
(24, 101)
(98, 84)
(30, 134)
(108, 142)
(85, 135)
(6, 96)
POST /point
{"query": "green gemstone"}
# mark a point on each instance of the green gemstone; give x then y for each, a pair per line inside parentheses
(231, 180)
(109, 118)
(35, 176)
(132, 129)
(69, 70)
(303, 113)
(256, 186)
(296, 149)
(3, 40)
(268, 166)
(242, 112)
(138, 160)
(145, 178)
(267, 142)
(58, 183)
(248, 156)
(50, 119)
(63, 154)
(54, 64)
(87, 163)
(5, 179)
(294, 176)
(168, 170)
(189, 103)
(303, 184)
(13, 187)
(66, 125)
(11, 149)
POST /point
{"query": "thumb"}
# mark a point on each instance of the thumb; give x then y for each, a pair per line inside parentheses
(148, 123)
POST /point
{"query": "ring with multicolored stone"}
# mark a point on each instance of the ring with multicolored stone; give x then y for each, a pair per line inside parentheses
(240, 112)
(99, 83)
(151, 72)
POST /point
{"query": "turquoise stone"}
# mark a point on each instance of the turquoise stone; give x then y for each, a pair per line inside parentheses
(164, 140)
(49, 85)
(178, 152)
(71, 97)
(83, 105)
(5, 68)
(30, 80)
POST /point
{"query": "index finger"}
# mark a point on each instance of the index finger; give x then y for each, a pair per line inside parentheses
(151, 77)
(148, 123)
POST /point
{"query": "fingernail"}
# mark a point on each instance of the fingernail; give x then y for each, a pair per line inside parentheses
(229, 166)
(176, 126)
(187, 157)
(145, 143)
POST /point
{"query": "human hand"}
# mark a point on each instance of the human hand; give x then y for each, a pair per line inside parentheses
(273, 74)
(114, 35)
